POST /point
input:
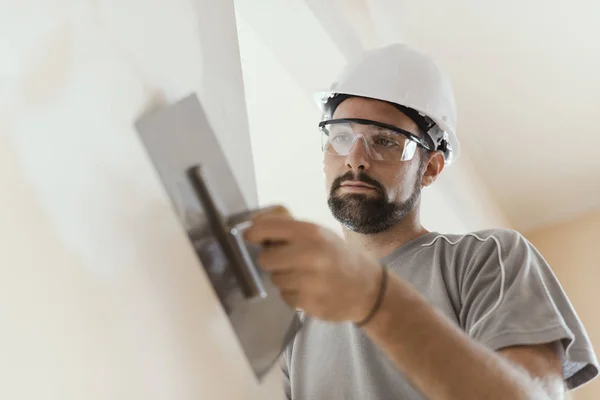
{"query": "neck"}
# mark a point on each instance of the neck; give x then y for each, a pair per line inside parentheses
(381, 244)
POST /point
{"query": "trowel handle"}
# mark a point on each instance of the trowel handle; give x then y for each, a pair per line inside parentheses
(237, 232)
(230, 239)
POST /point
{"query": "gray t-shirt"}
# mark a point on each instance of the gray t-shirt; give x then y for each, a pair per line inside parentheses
(493, 284)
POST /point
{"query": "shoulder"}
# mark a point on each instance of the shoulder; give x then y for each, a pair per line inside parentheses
(504, 239)
(490, 247)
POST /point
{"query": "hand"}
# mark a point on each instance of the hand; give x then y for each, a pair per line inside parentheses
(314, 268)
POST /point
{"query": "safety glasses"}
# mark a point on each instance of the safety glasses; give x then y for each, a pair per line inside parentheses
(382, 142)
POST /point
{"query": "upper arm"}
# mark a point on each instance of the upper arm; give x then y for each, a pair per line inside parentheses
(511, 299)
(542, 363)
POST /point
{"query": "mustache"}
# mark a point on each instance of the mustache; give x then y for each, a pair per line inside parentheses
(362, 177)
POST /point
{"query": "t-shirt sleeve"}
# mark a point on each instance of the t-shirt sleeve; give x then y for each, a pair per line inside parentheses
(510, 297)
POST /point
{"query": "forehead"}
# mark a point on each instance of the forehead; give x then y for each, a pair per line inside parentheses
(358, 107)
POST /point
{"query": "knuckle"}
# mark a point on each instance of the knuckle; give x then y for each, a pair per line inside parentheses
(280, 210)
(291, 299)
(276, 280)
(319, 299)
(320, 262)
(263, 260)
(276, 211)
(313, 260)
(313, 231)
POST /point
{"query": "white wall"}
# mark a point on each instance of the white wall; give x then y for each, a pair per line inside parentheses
(101, 297)
(459, 201)
(285, 140)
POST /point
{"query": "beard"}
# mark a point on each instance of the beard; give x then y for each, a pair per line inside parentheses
(369, 214)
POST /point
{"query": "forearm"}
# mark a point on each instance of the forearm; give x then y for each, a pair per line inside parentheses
(437, 357)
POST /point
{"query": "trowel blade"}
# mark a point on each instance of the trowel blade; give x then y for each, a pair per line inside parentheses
(176, 138)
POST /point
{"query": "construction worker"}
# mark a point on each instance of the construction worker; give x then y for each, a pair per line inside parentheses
(393, 311)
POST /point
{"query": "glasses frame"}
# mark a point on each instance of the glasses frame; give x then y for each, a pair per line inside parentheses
(409, 135)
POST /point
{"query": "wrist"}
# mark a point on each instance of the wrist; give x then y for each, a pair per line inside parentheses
(401, 305)
(374, 297)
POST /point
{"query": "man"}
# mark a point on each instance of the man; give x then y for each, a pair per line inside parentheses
(397, 312)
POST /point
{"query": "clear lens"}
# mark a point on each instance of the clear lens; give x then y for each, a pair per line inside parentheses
(380, 143)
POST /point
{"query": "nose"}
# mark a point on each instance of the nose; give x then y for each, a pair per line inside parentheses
(358, 157)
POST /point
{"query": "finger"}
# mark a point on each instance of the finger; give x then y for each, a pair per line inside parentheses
(276, 258)
(287, 258)
(276, 230)
(272, 211)
(285, 280)
(292, 298)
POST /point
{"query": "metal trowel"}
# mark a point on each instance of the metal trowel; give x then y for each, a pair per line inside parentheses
(214, 213)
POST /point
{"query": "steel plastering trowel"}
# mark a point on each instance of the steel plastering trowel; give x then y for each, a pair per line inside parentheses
(212, 210)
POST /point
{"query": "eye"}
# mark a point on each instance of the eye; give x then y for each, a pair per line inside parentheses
(383, 141)
(340, 137)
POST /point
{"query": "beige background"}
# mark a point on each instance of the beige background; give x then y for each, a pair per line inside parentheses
(572, 249)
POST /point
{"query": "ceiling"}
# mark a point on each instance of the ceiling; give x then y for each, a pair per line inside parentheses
(525, 76)
(527, 82)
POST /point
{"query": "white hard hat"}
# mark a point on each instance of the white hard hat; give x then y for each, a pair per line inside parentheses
(401, 75)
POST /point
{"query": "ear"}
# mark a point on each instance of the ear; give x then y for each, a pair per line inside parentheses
(434, 164)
